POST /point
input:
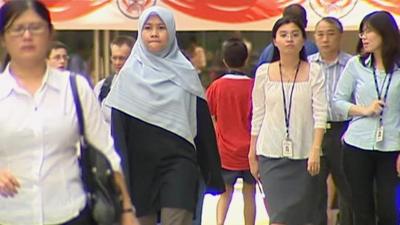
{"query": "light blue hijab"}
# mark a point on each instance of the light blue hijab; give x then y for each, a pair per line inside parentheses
(160, 89)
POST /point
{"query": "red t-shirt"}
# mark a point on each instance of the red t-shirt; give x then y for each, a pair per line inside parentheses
(229, 100)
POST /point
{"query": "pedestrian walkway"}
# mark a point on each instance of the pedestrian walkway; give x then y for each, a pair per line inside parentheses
(235, 213)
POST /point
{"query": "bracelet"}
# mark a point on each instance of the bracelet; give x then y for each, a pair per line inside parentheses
(128, 210)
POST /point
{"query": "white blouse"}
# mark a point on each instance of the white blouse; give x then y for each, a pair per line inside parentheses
(309, 111)
(38, 145)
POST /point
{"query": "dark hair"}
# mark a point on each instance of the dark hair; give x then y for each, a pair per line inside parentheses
(332, 20)
(56, 45)
(283, 21)
(11, 10)
(234, 52)
(383, 23)
(5, 61)
(123, 40)
(296, 11)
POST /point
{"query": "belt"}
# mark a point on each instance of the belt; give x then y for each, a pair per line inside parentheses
(334, 124)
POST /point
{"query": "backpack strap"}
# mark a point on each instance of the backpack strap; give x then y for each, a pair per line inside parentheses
(106, 87)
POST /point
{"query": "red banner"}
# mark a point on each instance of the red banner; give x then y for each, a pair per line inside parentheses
(207, 14)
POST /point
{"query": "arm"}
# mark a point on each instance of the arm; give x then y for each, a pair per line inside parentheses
(258, 100)
(374, 109)
(320, 112)
(129, 214)
(258, 106)
(211, 101)
(253, 159)
(344, 91)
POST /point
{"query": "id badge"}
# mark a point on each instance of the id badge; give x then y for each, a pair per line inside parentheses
(287, 148)
(379, 134)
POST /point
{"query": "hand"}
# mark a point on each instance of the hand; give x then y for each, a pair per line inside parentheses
(254, 168)
(129, 218)
(313, 163)
(8, 184)
(375, 108)
(398, 165)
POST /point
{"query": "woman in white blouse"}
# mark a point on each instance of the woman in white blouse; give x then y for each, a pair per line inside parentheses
(289, 117)
(39, 173)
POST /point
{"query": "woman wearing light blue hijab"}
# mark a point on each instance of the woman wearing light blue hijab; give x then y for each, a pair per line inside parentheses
(161, 125)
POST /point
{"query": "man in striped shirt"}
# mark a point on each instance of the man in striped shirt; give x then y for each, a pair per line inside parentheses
(332, 60)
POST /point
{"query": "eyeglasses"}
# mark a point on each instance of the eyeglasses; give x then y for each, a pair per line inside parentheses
(290, 35)
(60, 57)
(33, 28)
(364, 33)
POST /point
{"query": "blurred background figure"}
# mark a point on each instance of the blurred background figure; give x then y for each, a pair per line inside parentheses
(77, 62)
(328, 36)
(57, 56)
(229, 100)
(197, 56)
(120, 48)
(299, 12)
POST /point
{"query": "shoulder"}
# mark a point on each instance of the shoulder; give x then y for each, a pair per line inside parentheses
(6, 83)
(355, 62)
(262, 70)
(344, 57)
(81, 82)
(315, 72)
(99, 84)
(314, 66)
(313, 57)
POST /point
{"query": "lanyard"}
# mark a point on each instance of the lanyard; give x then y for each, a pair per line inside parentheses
(379, 92)
(285, 109)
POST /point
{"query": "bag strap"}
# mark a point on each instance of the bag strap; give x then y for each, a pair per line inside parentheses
(84, 159)
(78, 106)
(106, 87)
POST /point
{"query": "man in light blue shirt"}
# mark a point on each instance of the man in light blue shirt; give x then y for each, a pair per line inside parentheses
(328, 33)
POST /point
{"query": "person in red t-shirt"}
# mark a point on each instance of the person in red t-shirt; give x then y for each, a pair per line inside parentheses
(229, 100)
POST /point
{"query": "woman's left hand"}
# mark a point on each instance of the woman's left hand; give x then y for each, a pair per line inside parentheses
(313, 163)
(398, 165)
(129, 218)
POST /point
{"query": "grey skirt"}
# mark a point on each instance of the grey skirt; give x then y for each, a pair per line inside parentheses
(289, 190)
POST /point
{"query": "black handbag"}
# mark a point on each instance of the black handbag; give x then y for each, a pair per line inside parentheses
(104, 196)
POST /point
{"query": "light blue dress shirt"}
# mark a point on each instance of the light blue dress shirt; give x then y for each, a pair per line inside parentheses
(358, 80)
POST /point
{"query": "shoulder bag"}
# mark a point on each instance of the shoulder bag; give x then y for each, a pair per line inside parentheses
(104, 197)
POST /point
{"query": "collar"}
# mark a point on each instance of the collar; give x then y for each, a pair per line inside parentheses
(9, 84)
(235, 76)
(368, 63)
(341, 59)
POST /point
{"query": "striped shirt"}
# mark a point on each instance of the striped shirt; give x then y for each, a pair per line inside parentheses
(332, 72)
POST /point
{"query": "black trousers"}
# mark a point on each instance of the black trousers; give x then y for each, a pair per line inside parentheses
(332, 163)
(84, 218)
(375, 186)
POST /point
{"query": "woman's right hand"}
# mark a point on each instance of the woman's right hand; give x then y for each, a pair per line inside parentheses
(375, 108)
(8, 184)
